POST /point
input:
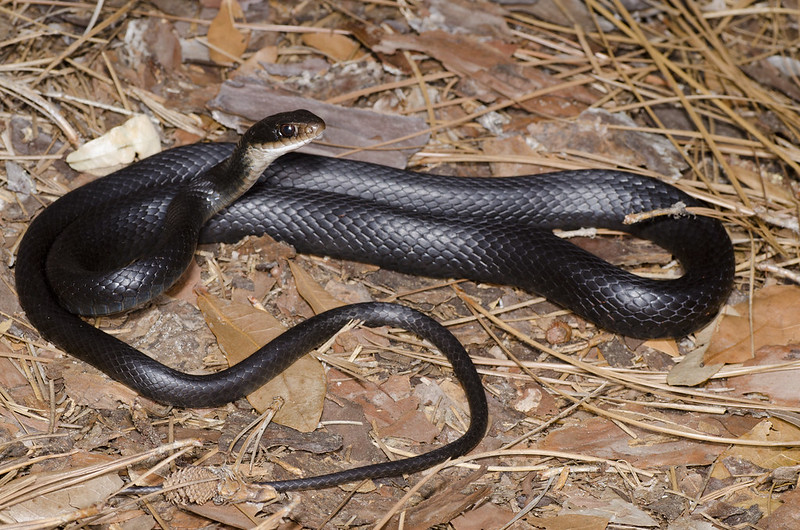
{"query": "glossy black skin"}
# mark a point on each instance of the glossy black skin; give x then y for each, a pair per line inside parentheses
(489, 230)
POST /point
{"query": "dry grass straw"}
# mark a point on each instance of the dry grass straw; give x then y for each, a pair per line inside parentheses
(694, 64)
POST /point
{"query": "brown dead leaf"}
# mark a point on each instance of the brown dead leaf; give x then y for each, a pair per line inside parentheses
(602, 438)
(413, 425)
(338, 47)
(90, 388)
(486, 516)
(532, 400)
(317, 297)
(776, 321)
(380, 407)
(780, 387)
(767, 72)
(453, 496)
(489, 71)
(241, 515)
(691, 370)
(241, 330)
(13, 379)
(266, 55)
(62, 501)
(740, 460)
(773, 430)
(369, 35)
(668, 346)
(302, 386)
(786, 516)
(223, 35)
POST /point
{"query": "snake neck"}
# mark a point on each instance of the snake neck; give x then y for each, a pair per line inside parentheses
(258, 147)
(228, 180)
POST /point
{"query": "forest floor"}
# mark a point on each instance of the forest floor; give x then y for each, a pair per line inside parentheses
(587, 430)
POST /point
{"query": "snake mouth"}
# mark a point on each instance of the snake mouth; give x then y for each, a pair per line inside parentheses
(311, 131)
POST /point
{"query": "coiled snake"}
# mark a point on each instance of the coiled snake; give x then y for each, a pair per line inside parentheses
(488, 230)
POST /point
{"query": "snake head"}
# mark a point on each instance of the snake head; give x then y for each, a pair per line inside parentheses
(259, 146)
(283, 132)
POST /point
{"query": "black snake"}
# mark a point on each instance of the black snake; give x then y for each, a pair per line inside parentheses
(488, 230)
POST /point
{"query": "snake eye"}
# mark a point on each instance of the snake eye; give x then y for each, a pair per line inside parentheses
(288, 130)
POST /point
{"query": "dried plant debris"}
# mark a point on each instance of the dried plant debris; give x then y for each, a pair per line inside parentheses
(587, 429)
(199, 485)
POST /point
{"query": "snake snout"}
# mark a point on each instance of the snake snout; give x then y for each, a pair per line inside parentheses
(298, 126)
(283, 131)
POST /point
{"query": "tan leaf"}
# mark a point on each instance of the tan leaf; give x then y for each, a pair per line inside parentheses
(242, 329)
(227, 42)
(302, 386)
(779, 387)
(487, 515)
(266, 55)
(508, 149)
(668, 346)
(771, 430)
(776, 321)
(770, 458)
(336, 46)
(318, 298)
(692, 370)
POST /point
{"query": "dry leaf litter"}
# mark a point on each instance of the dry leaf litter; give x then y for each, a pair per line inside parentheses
(588, 430)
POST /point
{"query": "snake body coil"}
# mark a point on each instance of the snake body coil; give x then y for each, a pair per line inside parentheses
(489, 230)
